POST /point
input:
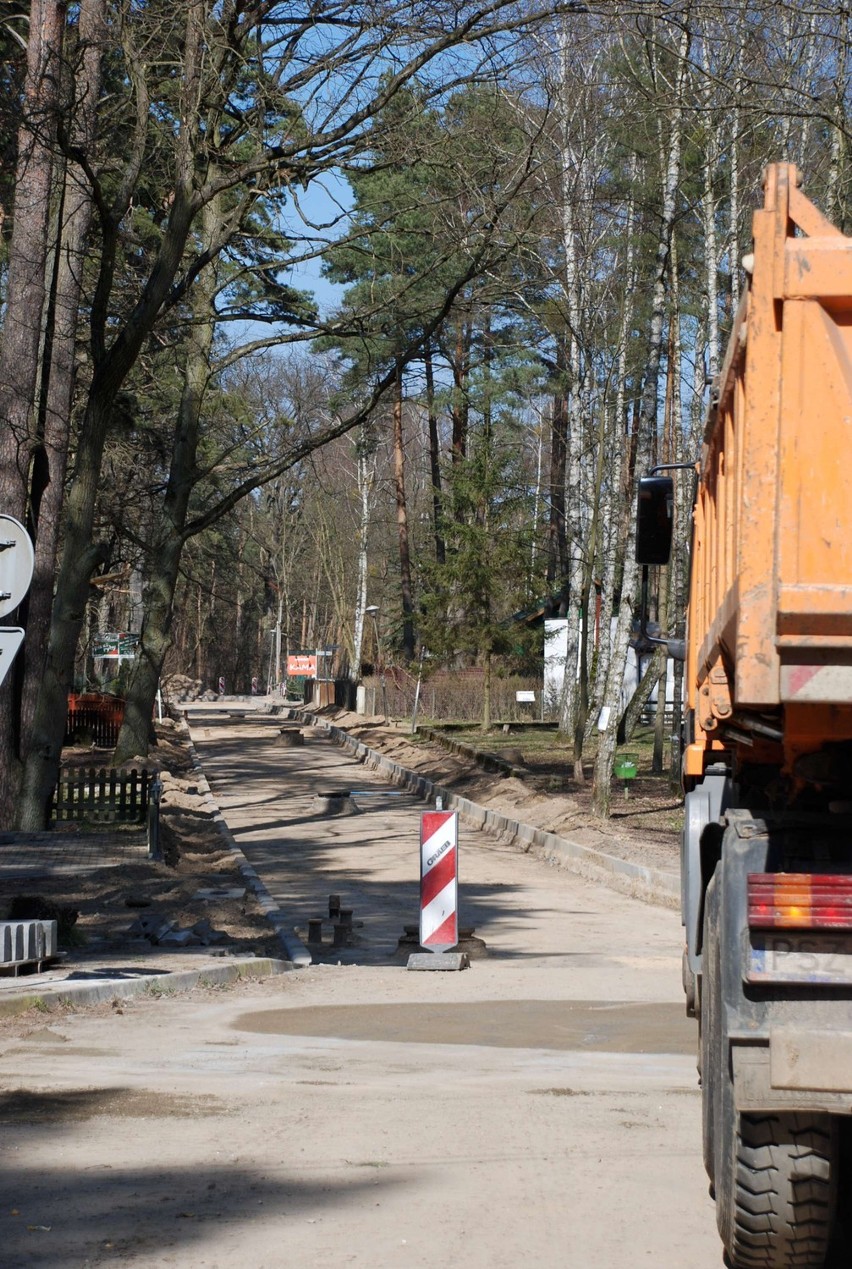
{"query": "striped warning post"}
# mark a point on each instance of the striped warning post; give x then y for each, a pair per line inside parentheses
(439, 880)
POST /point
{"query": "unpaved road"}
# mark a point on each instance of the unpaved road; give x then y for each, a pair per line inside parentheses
(539, 1107)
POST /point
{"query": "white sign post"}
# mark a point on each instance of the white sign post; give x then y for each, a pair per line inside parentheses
(11, 638)
(16, 571)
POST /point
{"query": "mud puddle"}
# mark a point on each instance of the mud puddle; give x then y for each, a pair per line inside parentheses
(611, 1027)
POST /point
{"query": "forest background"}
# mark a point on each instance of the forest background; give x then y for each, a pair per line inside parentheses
(525, 223)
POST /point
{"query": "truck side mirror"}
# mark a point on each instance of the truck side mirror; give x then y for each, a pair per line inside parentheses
(654, 520)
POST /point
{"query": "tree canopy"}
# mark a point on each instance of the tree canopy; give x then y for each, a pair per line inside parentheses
(538, 257)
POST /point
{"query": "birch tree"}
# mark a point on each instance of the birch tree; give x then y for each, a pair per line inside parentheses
(670, 156)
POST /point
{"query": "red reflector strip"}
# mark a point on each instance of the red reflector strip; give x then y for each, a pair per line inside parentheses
(799, 900)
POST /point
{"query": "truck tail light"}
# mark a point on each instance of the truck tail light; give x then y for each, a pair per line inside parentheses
(799, 900)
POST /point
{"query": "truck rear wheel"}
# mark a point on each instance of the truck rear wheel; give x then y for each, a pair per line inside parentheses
(776, 1184)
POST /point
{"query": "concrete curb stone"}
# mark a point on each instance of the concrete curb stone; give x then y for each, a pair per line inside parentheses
(112, 984)
(650, 884)
(294, 948)
(113, 987)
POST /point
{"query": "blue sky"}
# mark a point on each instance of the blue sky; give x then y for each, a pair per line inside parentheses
(322, 217)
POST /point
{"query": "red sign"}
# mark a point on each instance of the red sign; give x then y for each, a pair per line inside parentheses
(302, 663)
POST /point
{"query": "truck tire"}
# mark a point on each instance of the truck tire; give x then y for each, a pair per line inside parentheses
(782, 1199)
(708, 1029)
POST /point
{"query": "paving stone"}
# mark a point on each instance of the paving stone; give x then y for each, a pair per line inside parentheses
(179, 938)
(439, 961)
(213, 894)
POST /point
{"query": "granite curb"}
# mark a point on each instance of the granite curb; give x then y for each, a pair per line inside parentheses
(120, 983)
(653, 885)
(115, 985)
(293, 947)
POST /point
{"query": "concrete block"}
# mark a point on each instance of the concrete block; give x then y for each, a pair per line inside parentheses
(439, 961)
(28, 940)
(179, 938)
(213, 895)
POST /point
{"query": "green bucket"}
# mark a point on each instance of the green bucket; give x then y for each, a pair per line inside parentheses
(625, 770)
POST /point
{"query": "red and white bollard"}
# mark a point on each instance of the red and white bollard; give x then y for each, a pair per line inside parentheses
(439, 880)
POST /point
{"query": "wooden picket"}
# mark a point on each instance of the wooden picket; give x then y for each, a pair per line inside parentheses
(96, 717)
(101, 796)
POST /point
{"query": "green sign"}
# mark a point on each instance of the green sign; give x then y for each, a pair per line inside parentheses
(115, 646)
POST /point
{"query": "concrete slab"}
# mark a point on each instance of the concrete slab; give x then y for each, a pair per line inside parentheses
(439, 961)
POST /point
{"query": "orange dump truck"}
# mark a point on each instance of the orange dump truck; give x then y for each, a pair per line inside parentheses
(767, 847)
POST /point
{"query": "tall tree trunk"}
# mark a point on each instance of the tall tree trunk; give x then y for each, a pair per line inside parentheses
(23, 318)
(164, 561)
(734, 229)
(835, 202)
(557, 542)
(366, 480)
(588, 627)
(460, 365)
(679, 568)
(434, 456)
(578, 547)
(402, 524)
(113, 362)
(603, 568)
(79, 560)
(573, 183)
(532, 582)
(486, 691)
(633, 711)
(708, 226)
(200, 651)
(664, 575)
(51, 457)
(647, 421)
(671, 157)
(619, 483)
(735, 132)
(28, 253)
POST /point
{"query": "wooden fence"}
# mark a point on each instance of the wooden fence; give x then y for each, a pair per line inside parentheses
(94, 719)
(103, 796)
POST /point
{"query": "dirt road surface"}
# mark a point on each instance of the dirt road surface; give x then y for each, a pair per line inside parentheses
(538, 1107)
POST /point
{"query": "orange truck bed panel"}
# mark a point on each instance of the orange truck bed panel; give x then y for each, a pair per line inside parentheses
(770, 615)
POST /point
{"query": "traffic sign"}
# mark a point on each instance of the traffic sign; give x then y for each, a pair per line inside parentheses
(11, 639)
(16, 564)
(439, 880)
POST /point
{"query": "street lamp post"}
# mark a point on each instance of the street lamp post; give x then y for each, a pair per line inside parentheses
(373, 611)
(270, 669)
